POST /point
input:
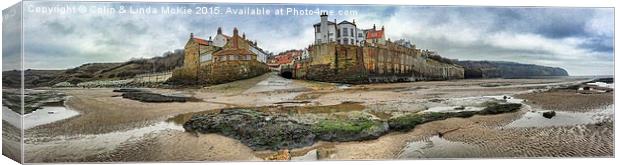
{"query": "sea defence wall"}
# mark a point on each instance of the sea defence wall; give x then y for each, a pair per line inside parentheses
(331, 62)
(219, 72)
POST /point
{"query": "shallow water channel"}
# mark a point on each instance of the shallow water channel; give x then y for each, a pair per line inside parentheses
(45, 115)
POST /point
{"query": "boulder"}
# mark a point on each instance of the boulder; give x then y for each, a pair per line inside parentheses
(548, 114)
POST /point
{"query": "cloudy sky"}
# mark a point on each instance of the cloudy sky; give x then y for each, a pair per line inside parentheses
(579, 40)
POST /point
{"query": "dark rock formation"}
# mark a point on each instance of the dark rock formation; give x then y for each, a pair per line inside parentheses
(257, 130)
(548, 114)
(125, 90)
(501, 69)
(33, 99)
(276, 131)
(154, 97)
(409, 121)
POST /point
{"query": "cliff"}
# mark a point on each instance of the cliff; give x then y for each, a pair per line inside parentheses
(502, 69)
(93, 71)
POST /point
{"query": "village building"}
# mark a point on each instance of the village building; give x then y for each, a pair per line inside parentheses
(345, 32)
(284, 58)
(344, 53)
(220, 59)
(375, 36)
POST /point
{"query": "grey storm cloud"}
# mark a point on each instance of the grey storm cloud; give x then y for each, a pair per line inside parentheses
(577, 39)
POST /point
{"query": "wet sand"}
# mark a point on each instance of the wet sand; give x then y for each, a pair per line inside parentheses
(102, 113)
(568, 100)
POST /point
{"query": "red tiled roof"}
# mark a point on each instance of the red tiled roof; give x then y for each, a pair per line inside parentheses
(201, 41)
(374, 34)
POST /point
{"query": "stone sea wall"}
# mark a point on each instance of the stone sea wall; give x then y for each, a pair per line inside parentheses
(218, 72)
(332, 62)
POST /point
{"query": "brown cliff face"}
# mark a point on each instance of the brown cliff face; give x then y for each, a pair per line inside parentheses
(94, 71)
(500, 69)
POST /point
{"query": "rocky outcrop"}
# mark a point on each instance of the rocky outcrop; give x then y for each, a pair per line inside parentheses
(33, 99)
(257, 130)
(501, 69)
(146, 96)
(277, 131)
(410, 121)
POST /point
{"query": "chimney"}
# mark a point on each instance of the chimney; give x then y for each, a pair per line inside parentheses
(235, 43)
(382, 28)
(219, 30)
(191, 35)
(243, 36)
(324, 14)
(209, 38)
(374, 27)
(353, 21)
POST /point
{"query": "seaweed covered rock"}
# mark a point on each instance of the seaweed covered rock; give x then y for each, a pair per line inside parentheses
(153, 97)
(349, 130)
(410, 121)
(497, 108)
(258, 130)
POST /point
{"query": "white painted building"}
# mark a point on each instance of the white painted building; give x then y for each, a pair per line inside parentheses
(261, 56)
(345, 32)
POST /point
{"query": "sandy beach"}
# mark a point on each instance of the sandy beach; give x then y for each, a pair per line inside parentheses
(153, 131)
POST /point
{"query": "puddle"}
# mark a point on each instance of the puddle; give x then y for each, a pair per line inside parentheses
(45, 115)
(99, 142)
(77, 145)
(437, 147)
(453, 109)
(563, 118)
(602, 84)
(466, 103)
(11, 117)
(509, 99)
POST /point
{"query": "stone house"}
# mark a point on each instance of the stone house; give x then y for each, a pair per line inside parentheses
(220, 59)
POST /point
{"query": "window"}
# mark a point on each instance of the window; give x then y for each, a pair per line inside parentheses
(346, 41)
(205, 57)
(360, 35)
(345, 32)
(352, 34)
(317, 29)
